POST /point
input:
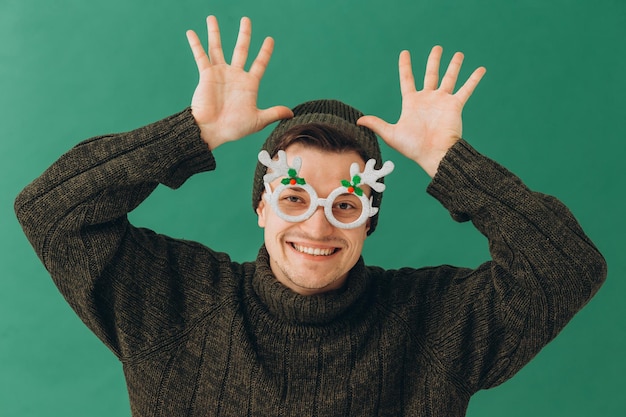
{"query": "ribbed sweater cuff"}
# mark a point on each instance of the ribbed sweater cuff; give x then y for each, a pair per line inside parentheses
(179, 138)
(466, 180)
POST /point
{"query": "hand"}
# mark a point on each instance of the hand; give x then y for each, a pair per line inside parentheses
(430, 121)
(224, 103)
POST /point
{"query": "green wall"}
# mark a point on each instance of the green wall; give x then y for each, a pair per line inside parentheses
(551, 108)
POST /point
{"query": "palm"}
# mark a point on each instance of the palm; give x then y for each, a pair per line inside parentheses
(432, 116)
(224, 103)
(430, 122)
(226, 98)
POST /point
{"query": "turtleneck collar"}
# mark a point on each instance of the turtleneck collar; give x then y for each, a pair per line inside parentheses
(291, 307)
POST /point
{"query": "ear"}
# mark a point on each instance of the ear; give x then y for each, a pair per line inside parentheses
(260, 211)
(367, 226)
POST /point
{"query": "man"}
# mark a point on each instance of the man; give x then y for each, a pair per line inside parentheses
(308, 328)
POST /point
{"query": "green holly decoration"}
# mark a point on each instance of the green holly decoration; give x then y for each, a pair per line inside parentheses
(353, 186)
(293, 178)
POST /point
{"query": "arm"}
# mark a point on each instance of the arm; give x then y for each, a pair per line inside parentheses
(544, 269)
(74, 216)
(129, 285)
(488, 323)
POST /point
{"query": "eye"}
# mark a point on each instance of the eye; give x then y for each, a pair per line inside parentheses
(344, 205)
(347, 202)
(292, 199)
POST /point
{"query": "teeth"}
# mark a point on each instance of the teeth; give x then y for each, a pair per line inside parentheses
(313, 251)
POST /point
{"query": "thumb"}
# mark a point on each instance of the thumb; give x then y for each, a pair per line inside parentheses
(274, 114)
(378, 125)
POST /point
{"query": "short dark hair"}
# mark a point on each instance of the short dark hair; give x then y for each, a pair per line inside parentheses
(320, 136)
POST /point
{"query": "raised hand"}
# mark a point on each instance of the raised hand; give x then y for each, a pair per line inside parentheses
(224, 103)
(430, 121)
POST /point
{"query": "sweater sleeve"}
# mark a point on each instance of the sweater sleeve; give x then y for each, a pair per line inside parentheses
(124, 282)
(543, 270)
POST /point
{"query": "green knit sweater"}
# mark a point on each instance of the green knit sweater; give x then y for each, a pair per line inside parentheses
(201, 335)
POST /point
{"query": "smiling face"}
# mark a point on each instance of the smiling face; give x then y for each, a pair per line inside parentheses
(313, 256)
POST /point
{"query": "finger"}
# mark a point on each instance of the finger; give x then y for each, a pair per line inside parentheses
(240, 54)
(202, 60)
(431, 76)
(407, 81)
(376, 124)
(216, 54)
(263, 58)
(467, 89)
(274, 114)
(452, 73)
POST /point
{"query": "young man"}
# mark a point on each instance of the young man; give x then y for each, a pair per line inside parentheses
(307, 328)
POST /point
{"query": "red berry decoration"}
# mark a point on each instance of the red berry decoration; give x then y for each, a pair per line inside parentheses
(352, 186)
(292, 181)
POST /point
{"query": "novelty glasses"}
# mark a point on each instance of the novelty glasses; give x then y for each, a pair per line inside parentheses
(346, 207)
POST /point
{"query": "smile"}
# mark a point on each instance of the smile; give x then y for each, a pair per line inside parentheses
(314, 251)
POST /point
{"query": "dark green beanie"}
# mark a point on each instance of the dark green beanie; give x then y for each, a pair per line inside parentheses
(335, 114)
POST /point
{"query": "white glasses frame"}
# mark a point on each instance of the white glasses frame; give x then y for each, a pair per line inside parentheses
(279, 168)
(367, 210)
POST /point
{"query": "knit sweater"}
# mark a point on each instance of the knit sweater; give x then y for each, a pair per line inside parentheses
(201, 335)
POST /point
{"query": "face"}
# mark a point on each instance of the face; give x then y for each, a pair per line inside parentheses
(313, 256)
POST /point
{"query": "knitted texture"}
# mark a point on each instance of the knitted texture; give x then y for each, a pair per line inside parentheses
(333, 113)
(201, 335)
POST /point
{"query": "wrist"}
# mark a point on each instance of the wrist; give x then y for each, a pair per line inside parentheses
(430, 161)
(208, 133)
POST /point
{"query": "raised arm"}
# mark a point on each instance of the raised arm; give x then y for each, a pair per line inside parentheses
(487, 323)
(75, 213)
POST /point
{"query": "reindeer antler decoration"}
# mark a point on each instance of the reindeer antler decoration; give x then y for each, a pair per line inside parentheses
(281, 168)
(369, 176)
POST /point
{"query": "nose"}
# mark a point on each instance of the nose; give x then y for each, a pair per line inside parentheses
(317, 225)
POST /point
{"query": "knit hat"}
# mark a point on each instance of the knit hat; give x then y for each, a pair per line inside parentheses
(335, 114)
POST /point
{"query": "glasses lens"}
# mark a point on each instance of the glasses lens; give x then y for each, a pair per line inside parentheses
(347, 208)
(294, 201)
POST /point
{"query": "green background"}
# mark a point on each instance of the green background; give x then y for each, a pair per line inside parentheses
(551, 108)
